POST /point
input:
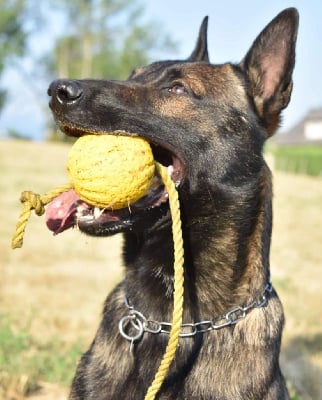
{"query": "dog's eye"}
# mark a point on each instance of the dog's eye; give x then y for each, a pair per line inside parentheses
(177, 89)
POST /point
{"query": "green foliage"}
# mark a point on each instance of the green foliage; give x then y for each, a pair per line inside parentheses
(3, 97)
(103, 39)
(12, 35)
(98, 39)
(14, 134)
(21, 354)
(302, 159)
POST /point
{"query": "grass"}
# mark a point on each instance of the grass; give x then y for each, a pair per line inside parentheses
(52, 290)
(22, 355)
(299, 159)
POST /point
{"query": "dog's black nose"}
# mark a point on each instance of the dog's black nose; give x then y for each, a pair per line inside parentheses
(65, 91)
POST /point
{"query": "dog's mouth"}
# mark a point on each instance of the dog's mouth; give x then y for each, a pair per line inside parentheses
(68, 210)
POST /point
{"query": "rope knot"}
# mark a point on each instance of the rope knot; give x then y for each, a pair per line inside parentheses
(33, 201)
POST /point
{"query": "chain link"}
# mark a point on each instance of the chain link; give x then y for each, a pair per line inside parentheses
(140, 324)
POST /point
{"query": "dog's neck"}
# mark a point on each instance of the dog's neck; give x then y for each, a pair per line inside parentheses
(220, 272)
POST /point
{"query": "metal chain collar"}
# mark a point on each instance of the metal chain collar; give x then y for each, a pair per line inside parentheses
(140, 324)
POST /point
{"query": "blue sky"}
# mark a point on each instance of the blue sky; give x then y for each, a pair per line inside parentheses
(233, 25)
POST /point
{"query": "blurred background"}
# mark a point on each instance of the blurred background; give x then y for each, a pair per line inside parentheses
(52, 290)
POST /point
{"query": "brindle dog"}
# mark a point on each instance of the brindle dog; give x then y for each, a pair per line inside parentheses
(209, 122)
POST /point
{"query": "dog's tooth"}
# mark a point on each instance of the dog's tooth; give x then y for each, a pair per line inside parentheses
(156, 182)
(98, 212)
(170, 172)
(87, 217)
(170, 169)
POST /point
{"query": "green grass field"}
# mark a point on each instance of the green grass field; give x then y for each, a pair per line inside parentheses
(299, 159)
(52, 290)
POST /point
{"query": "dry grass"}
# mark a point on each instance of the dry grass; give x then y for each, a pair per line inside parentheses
(56, 285)
(296, 267)
(68, 273)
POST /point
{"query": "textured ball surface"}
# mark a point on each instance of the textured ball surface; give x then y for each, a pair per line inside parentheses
(110, 171)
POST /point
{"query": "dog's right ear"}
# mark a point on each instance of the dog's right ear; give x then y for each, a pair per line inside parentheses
(200, 52)
(269, 65)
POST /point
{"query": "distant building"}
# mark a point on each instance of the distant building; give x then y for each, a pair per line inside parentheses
(307, 132)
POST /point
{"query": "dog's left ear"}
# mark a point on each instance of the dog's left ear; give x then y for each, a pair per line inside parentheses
(200, 52)
(269, 65)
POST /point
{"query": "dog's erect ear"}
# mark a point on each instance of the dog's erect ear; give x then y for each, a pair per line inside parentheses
(200, 52)
(269, 65)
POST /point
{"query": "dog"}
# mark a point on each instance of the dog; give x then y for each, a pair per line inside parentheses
(209, 123)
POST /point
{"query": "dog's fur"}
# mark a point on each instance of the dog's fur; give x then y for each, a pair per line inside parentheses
(213, 120)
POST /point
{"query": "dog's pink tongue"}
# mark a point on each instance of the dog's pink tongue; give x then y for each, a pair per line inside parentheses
(60, 213)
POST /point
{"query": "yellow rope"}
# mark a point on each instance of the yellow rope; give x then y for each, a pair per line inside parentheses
(178, 286)
(32, 201)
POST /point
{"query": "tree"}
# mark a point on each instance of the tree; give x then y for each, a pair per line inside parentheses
(12, 36)
(96, 39)
(104, 38)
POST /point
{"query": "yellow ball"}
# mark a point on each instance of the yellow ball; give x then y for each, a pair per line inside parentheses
(110, 171)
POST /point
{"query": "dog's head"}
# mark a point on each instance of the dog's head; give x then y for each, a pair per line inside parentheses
(208, 121)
